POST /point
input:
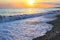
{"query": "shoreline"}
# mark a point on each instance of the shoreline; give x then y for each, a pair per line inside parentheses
(54, 34)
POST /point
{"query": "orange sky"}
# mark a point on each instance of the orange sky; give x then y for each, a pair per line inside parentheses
(23, 5)
(28, 3)
(34, 5)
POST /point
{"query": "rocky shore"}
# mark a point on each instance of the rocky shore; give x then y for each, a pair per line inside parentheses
(54, 34)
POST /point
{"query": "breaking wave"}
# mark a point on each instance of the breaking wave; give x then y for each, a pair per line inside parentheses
(26, 27)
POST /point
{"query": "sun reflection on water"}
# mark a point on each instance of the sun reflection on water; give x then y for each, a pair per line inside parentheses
(32, 11)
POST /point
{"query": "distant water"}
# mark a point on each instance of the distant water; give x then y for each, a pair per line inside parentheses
(21, 11)
(26, 29)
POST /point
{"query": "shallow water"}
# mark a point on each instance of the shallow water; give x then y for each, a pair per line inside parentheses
(26, 29)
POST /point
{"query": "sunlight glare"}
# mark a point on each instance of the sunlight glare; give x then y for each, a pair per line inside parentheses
(31, 2)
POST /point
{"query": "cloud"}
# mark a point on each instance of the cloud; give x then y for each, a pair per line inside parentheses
(51, 3)
(56, 4)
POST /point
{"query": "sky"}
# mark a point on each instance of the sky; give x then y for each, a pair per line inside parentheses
(25, 3)
(18, 1)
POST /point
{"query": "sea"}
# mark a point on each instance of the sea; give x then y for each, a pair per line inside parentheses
(26, 23)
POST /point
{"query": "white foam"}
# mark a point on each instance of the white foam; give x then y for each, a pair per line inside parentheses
(25, 29)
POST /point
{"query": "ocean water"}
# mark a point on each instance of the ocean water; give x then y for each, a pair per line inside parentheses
(26, 29)
(21, 11)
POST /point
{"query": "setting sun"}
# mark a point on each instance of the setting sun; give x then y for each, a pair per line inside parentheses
(31, 2)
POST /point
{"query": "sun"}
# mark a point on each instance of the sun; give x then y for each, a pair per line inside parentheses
(31, 2)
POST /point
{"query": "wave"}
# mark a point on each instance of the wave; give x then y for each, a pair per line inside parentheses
(26, 27)
(21, 17)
